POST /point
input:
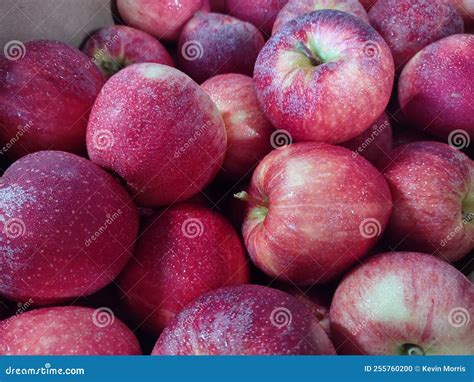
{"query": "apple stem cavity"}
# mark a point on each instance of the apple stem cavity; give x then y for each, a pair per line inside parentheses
(312, 57)
(411, 349)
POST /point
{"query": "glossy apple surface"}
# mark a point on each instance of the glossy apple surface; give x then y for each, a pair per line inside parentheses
(244, 320)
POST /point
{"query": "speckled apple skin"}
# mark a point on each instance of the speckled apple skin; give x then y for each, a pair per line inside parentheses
(65, 331)
(410, 25)
(375, 143)
(46, 97)
(187, 251)
(248, 130)
(124, 46)
(261, 13)
(51, 204)
(296, 8)
(241, 321)
(318, 196)
(436, 88)
(428, 182)
(332, 102)
(163, 19)
(401, 297)
(221, 43)
(162, 133)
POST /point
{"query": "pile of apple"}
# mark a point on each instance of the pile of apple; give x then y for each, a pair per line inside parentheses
(242, 177)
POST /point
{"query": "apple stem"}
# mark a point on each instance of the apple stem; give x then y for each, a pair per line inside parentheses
(412, 349)
(244, 196)
(315, 61)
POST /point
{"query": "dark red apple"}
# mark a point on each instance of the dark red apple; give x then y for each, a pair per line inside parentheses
(375, 143)
(261, 13)
(115, 47)
(213, 43)
(314, 210)
(163, 19)
(248, 130)
(68, 228)
(435, 90)
(159, 131)
(47, 91)
(296, 8)
(432, 186)
(410, 25)
(368, 3)
(68, 330)
(325, 76)
(244, 320)
(403, 303)
(185, 252)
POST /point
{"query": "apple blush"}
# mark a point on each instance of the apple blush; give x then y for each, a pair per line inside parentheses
(314, 210)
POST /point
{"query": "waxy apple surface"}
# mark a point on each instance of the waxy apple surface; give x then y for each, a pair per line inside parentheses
(325, 76)
(244, 320)
(159, 131)
(68, 228)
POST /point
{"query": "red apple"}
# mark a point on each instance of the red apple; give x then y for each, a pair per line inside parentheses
(368, 3)
(248, 130)
(244, 320)
(403, 303)
(68, 330)
(261, 13)
(212, 43)
(432, 186)
(48, 89)
(435, 89)
(315, 209)
(296, 8)
(185, 252)
(217, 6)
(410, 25)
(115, 47)
(68, 228)
(325, 76)
(163, 19)
(159, 131)
(375, 143)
